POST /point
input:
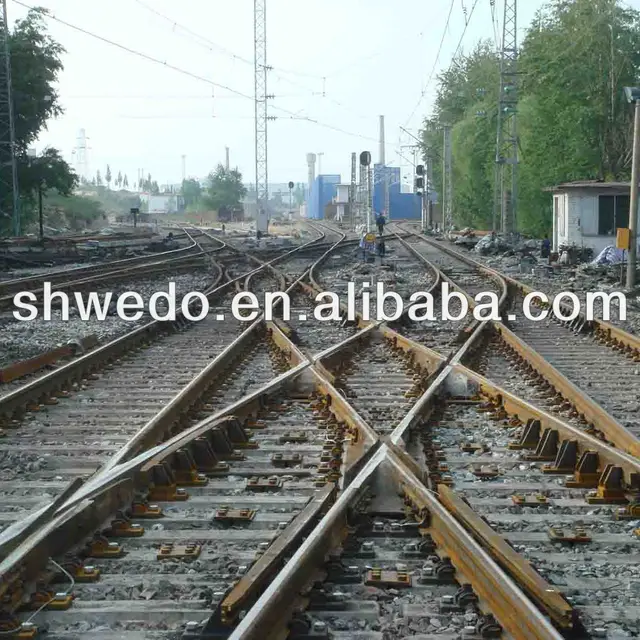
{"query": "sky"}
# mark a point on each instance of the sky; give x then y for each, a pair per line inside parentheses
(341, 63)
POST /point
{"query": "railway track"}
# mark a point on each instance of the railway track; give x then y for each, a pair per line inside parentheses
(564, 354)
(549, 516)
(39, 443)
(95, 273)
(324, 473)
(39, 344)
(300, 447)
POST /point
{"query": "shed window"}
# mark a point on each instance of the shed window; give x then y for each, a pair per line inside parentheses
(613, 213)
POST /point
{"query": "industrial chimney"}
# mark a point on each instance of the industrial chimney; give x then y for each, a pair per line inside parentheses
(311, 163)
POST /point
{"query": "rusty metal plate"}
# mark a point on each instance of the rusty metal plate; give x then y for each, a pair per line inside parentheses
(535, 500)
(179, 551)
(381, 578)
(577, 536)
(264, 484)
(225, 514)
(286, 459)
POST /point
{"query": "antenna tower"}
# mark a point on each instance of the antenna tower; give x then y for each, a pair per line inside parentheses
(506, 181)
(261, 113)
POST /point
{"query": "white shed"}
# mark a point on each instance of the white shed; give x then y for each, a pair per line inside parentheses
(587, 213)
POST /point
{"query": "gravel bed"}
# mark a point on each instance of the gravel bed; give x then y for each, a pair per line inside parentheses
(579, 279)
(27, 339)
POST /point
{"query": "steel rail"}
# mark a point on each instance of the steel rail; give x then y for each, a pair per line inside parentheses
(112, 476)
(496, 590)
(19, 284)
(498, 593)
(592, 412)
(265, 620)
(272, 607)
(616, 335)
(52, 382)
(100, 279)
(151, 432)
(524, 411)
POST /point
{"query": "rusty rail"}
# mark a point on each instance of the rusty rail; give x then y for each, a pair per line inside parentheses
(20, 284)
(254, 581)
(497, 592)
(267, 618)
(538, 589)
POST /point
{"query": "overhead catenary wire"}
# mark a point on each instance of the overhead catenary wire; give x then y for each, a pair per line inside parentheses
(276, 71)
(215, 45)
(455, 53)
(194, 76)
(435, 63)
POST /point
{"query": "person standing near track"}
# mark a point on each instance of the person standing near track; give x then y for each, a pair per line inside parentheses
(380, 221)
(363, 247)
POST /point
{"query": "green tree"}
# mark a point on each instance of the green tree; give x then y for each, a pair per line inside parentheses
(572, 117)
(154, 188)
(99, 178)
(49, 171)
(191, 192)
(574, 122)
(466, 103)
(224, 189)
(108, 176)
(35, 65)
(125, 182)
(119, 180)
(75, 212)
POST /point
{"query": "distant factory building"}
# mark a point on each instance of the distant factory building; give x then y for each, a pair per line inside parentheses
(323, 191)
(162, 203)
(403, 206)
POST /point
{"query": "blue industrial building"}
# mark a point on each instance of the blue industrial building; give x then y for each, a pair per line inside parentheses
(403, 206)
(323, 191)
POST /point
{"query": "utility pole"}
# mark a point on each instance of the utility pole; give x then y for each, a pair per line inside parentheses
(365, 177)
(362, 187)
(352, 192)
(261, 113)
(506, 177)
(633, 206)
(369, 197)
(9, 190)
(427, 189)
(184, 168)
(383, 166)
(226, 163)
(447, 187)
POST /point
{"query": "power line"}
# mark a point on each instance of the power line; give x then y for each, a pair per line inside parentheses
(464, 31)
(435, 63)
(215, 45)
(194, 76)
(455, 53)
(274, 71)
